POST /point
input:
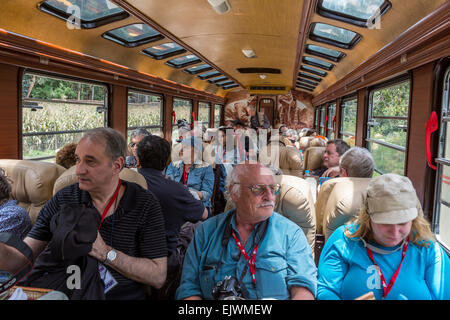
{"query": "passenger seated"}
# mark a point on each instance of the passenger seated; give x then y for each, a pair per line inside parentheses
(177, 204)
(195, 174)
(355, 162)
(136, 136)
(284, 267)
(389, 242)
(334, 150)
(65, 156)
(112, 222)
(13, 218)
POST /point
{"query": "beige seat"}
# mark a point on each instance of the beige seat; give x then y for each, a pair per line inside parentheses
(313, 158)
(289, 159)
(69, 177)
(304, 142)
(295, 203)
(32, 182)
(340, 200)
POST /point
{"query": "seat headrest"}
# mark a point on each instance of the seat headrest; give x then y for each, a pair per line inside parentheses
(313, 158)
(304, 142)
(32, 182)
(69, 177)
(295, 203)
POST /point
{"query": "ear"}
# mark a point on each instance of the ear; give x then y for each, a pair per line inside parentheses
(344, 172)
(118, 165)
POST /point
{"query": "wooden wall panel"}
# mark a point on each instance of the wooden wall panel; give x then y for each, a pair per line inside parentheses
(9, 110)
(168, 107)
(118, 110)
(420, 110)
(361, 118)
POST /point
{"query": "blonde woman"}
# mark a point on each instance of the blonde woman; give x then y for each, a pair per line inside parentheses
(387, 249)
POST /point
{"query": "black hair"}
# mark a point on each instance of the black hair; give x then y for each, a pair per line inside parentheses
(341, 146)
(153, 152)
(5, 186)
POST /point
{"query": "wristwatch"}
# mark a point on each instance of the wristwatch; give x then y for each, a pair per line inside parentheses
(110, 256)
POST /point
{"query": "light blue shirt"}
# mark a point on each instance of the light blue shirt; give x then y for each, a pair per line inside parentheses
(346, 271)
(284, 259)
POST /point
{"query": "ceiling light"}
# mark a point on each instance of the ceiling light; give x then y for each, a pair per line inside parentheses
(220, 6)
(262, 76)
(249, 53)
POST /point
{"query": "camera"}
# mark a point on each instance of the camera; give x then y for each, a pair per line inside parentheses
(227, 289)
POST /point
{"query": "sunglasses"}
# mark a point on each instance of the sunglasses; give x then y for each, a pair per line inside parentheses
(259, 189)
(132, 144)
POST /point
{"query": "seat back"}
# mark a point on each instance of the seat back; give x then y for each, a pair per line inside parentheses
(304, 142)
(295, 203)
(344, 202)
(313, 158)
(69, 177)
(288, 160)
(32, 182)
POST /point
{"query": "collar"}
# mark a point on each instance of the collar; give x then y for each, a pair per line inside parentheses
(377, 249)
(150, 171)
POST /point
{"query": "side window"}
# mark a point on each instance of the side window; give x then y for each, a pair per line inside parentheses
(217, 109)
(316, 119)
(330, 122)
(204, 111)
(145, 111)
(183, 110)
(387, 127)
(322, 121)
(348, 120)
(56, 111)
(441, 218)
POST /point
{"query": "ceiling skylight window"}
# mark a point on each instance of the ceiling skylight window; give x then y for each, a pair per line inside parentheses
(313, 71)
(335, 36)
(91, 14)
(318, 63)
(133, 35)
(209, 75)
(215, 80)
(363, 13)
(230, 86)
(164, 50)
(323, 52)
(224, 83)
(183, 61)
(309, 76)
(198, 69)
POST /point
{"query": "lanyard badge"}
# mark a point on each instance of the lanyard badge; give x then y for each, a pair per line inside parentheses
(111, 201)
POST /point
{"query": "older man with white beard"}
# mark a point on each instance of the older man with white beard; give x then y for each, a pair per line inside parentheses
(263, 253)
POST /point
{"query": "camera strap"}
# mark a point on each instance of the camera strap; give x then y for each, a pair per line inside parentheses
(14, 241)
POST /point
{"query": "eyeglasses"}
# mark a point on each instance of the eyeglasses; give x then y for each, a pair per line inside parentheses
(132, 144)
(259, 189)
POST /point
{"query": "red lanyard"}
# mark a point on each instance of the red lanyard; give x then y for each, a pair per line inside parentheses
(387, 288)
(185, 175)
(113, 198)
(251, 262)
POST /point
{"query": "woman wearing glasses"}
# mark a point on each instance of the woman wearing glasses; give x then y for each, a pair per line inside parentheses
(136, 136)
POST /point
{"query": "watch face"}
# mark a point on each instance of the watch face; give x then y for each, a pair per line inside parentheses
(111, 255)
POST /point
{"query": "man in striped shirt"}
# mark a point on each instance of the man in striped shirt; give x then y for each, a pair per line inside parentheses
(131, 240)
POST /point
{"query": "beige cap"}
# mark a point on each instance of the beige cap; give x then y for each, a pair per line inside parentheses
(391, 199)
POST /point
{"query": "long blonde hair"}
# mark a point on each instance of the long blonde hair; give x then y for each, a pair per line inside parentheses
(420, 233)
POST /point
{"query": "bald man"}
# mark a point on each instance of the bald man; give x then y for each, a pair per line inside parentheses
(260, 252)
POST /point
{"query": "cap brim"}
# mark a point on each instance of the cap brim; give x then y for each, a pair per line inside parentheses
(394, 217)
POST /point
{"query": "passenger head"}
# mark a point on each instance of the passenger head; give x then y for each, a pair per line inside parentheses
(357, 162)
(391, 213)
(66, 155)
(192, 150)
(5, 186)
(334, 150)
(100, 155)
(136, 136)
(253, 191)
(153, 152)
(282, 128)
(291, 135)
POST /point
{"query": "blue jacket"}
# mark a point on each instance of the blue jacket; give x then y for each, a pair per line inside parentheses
(201, 178)
(284, 259)
(346, 271)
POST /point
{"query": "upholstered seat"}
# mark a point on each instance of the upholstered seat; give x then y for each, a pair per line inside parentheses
(313, 158)
(69, 177)
(339, 200)
(288, 160)
(32, 182)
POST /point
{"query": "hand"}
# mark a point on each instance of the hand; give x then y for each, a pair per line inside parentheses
(332, 172)
(200, 194)
(99, 249)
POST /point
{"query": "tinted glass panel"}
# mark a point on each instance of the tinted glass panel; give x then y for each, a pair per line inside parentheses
(314, 70)
(203, 113)
(208, 75)
(217, 108)
(387, 160)
(164, 50)
(326, 51)
(183, 61)
(134, 33)
(198, 69)
(215, 80)
(348, 122)
(317, 62)
(230, 86)
(363, 9)
(310, 76)
(334, 33)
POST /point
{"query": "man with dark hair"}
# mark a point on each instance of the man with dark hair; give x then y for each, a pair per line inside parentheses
(177, 203)
(130, 239)
(334, 150)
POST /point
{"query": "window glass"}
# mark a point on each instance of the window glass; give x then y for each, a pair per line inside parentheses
(209, 74)
(204, 111)
(348, 117)
(183, 110)
(183, 61)
(217, 109)
(331, 116)
(314, 70)
(164, 50)
(133, 35)
(316, 117)
(363, 9)
(334, 35)
(145, 111)
(387, 160)
(198, 69)
(307, 82)
(318, 63)
(216, 80)
(324, 51)
(388, 125)
(230, 86)
(309, 76)
(322, 121)
(57, 111)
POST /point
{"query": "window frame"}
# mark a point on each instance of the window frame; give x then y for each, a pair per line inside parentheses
(220, 114)
(343, 45)
(314, 64)
(209, 112)
(323, 55)
(368, 139)
(308, 76)
(320, 73)
(357, 21)
(331, 106)
(185, 64)
(230, 86)
(84, 24)
(209, 68)
(131, 44)
(343, 100)
(209, 75)
(164, 55)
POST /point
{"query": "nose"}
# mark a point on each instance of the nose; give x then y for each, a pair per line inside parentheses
(80, 168)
